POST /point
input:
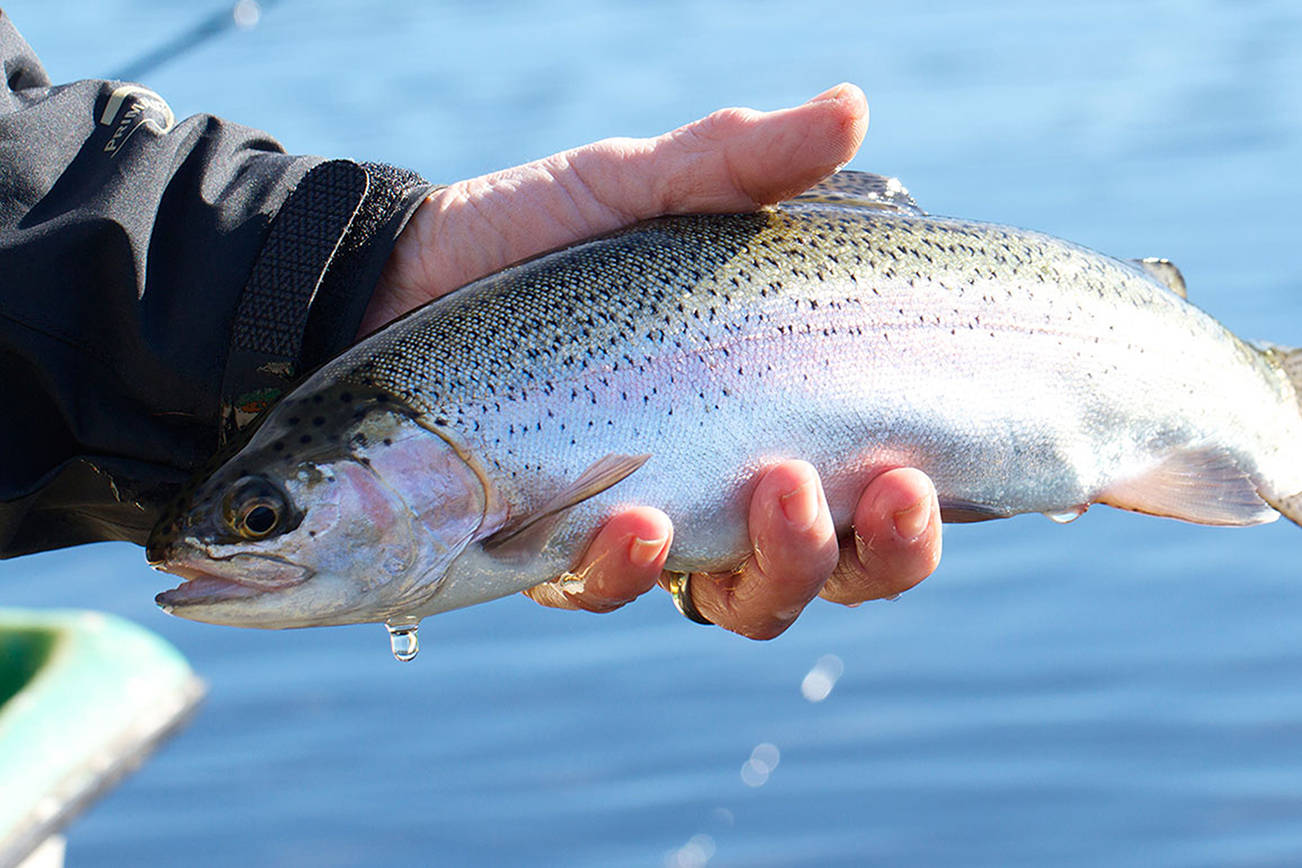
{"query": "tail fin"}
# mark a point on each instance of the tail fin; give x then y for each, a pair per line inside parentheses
(1289, 361)
(1290, 507)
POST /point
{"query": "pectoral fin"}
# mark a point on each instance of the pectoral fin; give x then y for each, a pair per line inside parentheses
(530, 532)
(1205, 486)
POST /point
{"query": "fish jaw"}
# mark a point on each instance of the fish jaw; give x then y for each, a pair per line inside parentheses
(262, 590)
(221, 600)
(235, 576)
(233, 583)
(203, 590)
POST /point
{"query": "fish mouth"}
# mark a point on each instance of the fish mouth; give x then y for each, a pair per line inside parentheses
(253, 576)
(205, 591)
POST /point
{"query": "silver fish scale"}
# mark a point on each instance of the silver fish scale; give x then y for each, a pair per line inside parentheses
(1022, 372)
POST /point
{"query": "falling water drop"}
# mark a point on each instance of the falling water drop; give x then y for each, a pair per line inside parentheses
(1066, 515)
(403, 641)
(819, 681)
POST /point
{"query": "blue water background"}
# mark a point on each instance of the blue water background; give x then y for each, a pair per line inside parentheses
(1122, 691)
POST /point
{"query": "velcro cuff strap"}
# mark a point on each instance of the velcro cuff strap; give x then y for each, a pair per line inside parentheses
(267, 336)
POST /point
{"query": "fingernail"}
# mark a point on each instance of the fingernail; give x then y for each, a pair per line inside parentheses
(643, 552)
(911, 521)
(800, 506)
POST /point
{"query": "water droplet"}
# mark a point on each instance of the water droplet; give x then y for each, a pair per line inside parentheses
(1067, 515)
(246, 14)
(763, 760)
(696, 853)
(754, 774)
(403, 641)
(819, 681)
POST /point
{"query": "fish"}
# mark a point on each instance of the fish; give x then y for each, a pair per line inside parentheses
(470, 449)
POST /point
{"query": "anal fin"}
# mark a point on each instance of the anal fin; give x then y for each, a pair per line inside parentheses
(1204, 486)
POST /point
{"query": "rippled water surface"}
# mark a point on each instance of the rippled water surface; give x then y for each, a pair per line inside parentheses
(1122, 691)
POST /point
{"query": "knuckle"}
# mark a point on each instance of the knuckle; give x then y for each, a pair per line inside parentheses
(720, 124)
(854, 581)
(849, 585)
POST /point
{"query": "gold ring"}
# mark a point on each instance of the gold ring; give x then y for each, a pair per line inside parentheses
(681, 591)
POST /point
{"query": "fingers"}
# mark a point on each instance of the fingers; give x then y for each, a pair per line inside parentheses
(795, 551)
(738, 159)
(621, 563)
(895, 545)
(732, 160)
(896, 542)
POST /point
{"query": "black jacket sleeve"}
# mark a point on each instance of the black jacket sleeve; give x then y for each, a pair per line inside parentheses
(159, 283)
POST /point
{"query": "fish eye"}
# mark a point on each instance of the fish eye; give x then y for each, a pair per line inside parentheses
(255, 508)
(258, 520)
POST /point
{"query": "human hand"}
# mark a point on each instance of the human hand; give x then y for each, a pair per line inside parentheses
(733, 160)
(894, 545)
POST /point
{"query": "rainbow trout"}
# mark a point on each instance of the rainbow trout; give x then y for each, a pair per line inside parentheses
(471, 449)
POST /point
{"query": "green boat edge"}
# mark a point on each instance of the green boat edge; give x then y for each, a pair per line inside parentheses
(84, 698)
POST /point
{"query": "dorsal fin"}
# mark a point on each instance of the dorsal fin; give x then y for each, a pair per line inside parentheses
(1165, 272)
(860, 189)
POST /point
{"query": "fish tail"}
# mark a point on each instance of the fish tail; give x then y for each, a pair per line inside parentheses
(1209, 485)
(1289, 361)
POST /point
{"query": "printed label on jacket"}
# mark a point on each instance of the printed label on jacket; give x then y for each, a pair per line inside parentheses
(130, 107)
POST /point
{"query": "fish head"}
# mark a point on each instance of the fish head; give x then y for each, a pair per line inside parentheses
(341, 508)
